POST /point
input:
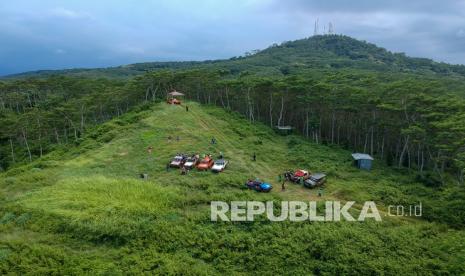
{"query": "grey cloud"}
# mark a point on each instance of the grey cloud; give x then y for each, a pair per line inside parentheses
(52, 34)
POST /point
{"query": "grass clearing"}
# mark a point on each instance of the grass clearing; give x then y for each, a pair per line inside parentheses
(89, 212)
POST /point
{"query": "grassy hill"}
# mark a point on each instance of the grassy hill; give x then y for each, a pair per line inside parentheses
(317, 52)
(84, 209)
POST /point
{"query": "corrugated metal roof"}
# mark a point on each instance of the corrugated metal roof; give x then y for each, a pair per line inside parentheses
(359, 156)
(284, 127)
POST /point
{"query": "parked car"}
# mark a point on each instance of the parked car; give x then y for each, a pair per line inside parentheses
(173, 101)
(219, 165)
(315, 180)
(295, 177)
(258, 186)
(191, 162)
(178, 161)
(205, 163)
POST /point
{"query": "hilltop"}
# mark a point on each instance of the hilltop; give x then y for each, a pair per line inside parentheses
(317, 52)
(84, 209)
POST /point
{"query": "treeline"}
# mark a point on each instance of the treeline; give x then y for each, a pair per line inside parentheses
(408, 122)
(36, 115)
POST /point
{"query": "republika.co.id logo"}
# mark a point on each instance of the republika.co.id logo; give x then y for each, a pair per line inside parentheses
(294, 211)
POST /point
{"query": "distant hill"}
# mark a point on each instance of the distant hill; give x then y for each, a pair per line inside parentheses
(322, 51)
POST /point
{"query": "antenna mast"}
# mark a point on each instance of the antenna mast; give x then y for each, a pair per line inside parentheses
(315, 31)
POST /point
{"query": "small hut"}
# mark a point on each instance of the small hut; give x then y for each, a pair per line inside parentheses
(362, 160)
(172, 97)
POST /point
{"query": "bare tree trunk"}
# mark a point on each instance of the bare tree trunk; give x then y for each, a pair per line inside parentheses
(57, 137)
(27, 144)
(154, 94)
(65, 134)
(409, 157)
(401, 157)
(382, 148)
(271, 109)
(422, 161)
(306, 124)
(249, 106)
(366, 143)
(12, 151)
(372, 132)
(281, 111)
(40, 137)
(333, 122)
(227, 98)
(147, 92)
(221, 98)
(82, 118)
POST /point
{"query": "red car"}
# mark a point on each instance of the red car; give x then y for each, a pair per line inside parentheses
(205, 163)
(295, 177)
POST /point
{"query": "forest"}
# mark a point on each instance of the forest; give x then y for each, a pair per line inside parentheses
(410, 122)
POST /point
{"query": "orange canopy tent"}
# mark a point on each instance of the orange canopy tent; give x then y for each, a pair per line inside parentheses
(175, 94)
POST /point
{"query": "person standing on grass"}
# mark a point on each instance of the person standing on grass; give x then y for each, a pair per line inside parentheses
(280, 179)
(254, 157)
(187, 108)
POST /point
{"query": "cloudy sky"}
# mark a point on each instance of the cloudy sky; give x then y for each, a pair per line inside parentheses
(53, 34)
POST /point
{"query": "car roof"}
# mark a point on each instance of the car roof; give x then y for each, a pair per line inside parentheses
(318, 175)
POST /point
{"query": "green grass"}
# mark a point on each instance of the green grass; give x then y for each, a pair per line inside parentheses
(87, 210)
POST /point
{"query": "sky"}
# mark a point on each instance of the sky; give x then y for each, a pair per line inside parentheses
(53, 34)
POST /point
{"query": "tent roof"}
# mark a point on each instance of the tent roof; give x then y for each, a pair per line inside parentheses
(175, 93)
(363, 156)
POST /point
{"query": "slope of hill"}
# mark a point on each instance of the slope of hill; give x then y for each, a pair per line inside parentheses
(85, 210)
(322, 51)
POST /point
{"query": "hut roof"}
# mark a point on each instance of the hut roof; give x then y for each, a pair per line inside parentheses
(361, 156)
(175, 93)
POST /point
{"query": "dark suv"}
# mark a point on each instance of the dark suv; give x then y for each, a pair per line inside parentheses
(315, 180)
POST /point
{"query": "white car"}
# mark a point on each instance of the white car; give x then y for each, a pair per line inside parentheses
(191, 162)
(177, 161)
(219, 165)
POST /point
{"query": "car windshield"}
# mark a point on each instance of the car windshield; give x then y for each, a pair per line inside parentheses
(205, 161)
(219, 162)
(190, 159)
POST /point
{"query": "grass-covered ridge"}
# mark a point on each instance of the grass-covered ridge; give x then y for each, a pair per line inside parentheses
(320, 51)
(86, 210)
